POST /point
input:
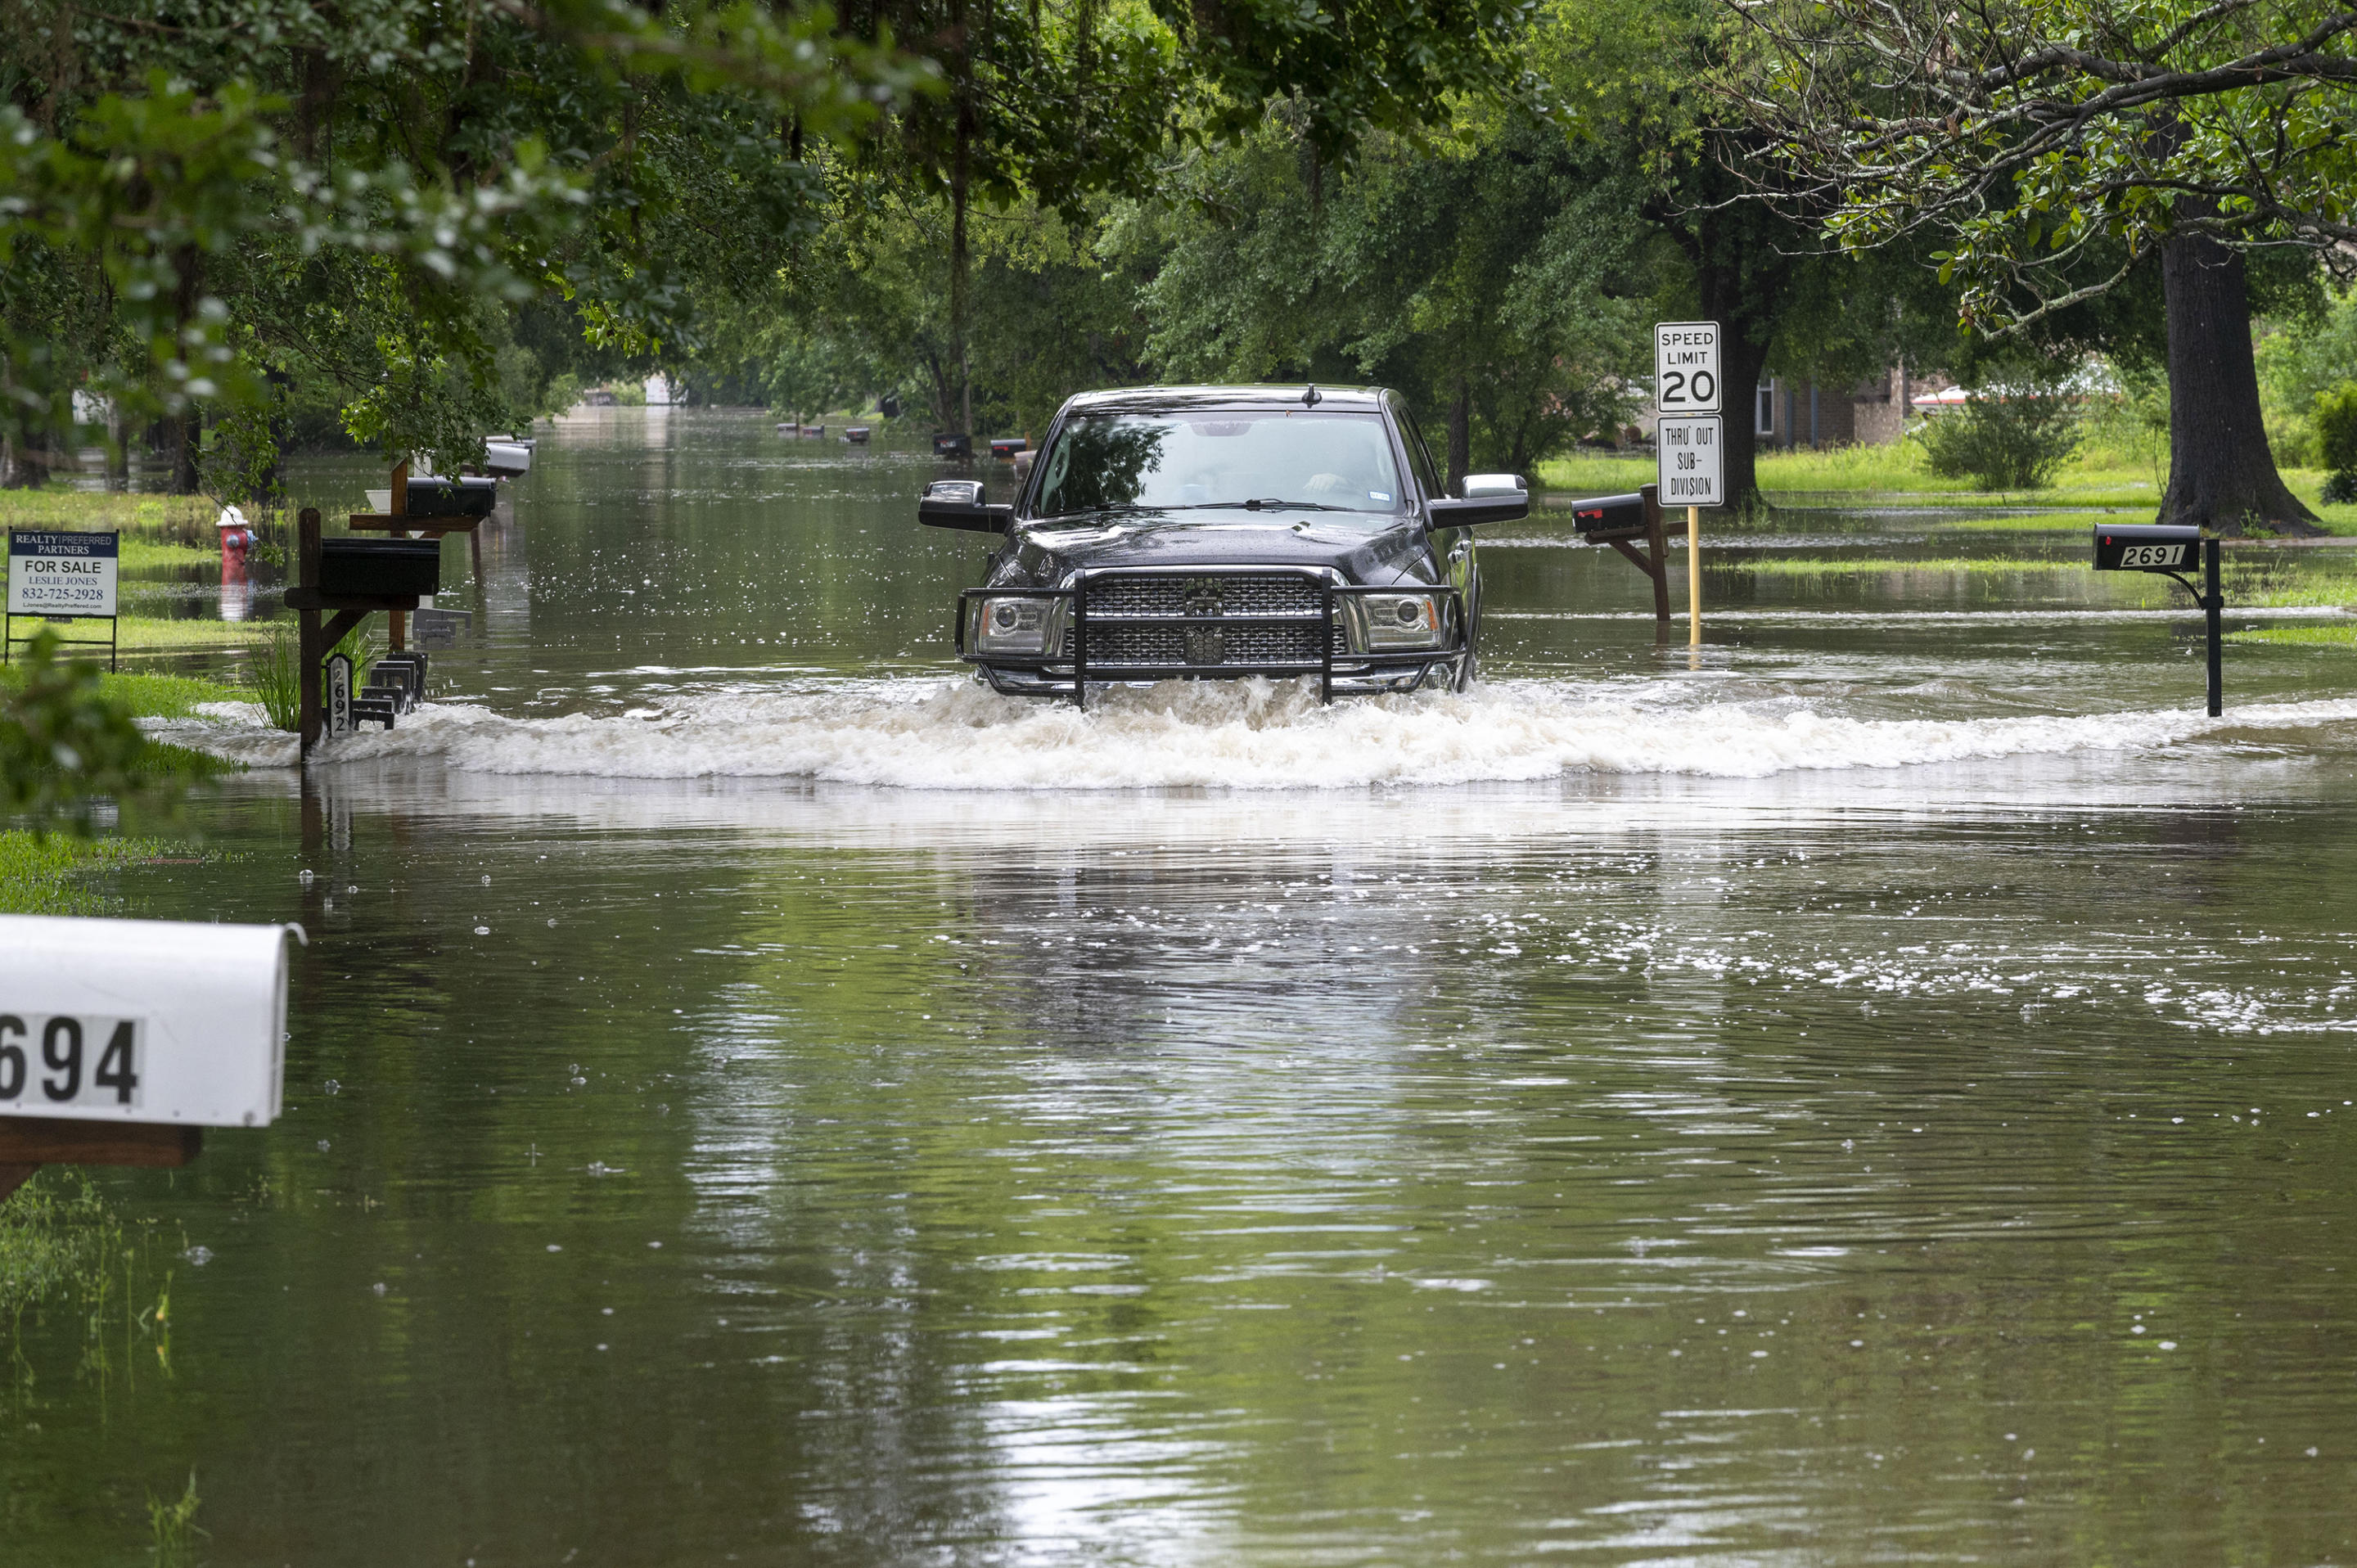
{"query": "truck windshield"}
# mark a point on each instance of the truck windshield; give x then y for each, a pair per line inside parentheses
(1218, 458)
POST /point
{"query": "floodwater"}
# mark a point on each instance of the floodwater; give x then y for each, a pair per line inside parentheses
(1876, 1090)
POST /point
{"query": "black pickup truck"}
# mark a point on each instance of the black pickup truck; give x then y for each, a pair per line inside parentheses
(1194, 532)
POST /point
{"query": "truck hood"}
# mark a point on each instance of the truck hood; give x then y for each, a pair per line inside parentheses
(1044, 555)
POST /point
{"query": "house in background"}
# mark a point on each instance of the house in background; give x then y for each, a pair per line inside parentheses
(1793, 413)
(1789, 415)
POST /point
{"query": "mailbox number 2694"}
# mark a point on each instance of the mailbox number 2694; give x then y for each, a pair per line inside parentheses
(62, 1059)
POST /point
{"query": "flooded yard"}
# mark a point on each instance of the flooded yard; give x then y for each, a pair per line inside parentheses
(1876, 1087)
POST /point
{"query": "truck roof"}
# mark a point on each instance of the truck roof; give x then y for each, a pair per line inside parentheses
(1147, 398)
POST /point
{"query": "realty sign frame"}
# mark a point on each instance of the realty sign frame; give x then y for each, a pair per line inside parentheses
(62, 575)
(1686, 378)
(1690, 459)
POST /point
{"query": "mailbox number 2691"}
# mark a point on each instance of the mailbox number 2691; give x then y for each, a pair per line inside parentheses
(62, 1059)
(2152, 555)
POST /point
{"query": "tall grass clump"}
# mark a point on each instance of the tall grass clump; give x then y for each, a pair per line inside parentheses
(276, 669)
(58, 1238)
(174, 1524)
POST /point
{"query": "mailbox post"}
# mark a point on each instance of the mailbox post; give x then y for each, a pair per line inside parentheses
(355, 578)
(119, 1039)
(2167, 550)
(1620, 521)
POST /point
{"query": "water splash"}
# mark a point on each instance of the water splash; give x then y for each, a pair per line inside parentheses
(1246, 734)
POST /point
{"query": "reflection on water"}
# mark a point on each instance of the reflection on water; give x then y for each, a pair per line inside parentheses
(771, 1121)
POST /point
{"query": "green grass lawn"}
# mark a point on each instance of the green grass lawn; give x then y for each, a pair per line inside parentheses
(154, 634)
(189, 519)
(154, 697)
(2327, 636)
(151, 634)
(2072, 522)
(158, 634)
(53, 874)
(1834, 566)
(1854, 476)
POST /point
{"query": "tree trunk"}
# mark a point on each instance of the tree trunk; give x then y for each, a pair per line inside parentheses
(1742, 359)
(1743, 354)
(2221, 474)
(185, 429)
(1460, 436)
(960, 173)
(185, 432)
(118, 448)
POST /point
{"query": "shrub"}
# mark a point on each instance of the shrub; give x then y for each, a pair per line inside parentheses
(2336, 436)
(2010, 436)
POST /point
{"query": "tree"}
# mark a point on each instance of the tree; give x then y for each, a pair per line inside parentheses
(1472, 274)
(259, 187)
(1054, 105)
(2033, 137)
(1630, 82)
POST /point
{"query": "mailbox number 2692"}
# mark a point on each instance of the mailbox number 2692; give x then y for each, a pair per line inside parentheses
(62, 1059)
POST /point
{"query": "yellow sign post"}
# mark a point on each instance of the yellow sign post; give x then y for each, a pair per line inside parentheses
(1686, 437)
(1694, 576)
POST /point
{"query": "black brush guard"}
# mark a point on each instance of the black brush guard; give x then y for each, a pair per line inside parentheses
(1064, 675)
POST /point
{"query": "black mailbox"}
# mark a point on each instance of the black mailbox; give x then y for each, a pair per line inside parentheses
(378, 568)
(948, 445)
(2147, 547)
(1004, 446)
(469, 496)
(1605, 516)
(2172, 548)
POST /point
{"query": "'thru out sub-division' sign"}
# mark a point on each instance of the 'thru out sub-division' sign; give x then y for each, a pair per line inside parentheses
(1692, 472)
(159, 1021)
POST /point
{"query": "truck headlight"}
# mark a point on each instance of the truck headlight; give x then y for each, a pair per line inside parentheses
(1392, 621)
(1014, 625)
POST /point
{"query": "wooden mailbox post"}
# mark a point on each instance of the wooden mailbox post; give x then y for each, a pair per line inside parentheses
(313, 598)
(1622, 522)
(119, 1039)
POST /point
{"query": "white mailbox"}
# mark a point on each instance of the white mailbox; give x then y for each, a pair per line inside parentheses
(162, 1020)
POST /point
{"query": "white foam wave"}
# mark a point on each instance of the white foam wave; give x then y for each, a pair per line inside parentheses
(935, 735)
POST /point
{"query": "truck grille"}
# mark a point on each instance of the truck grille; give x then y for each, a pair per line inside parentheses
(1208, 647)
(1211, 595)
(1215, 620)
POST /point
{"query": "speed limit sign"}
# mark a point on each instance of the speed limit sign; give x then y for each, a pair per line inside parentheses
(1686, 367)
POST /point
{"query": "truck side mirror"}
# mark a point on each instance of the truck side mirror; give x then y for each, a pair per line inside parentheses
(1488, 498)
(957, 503)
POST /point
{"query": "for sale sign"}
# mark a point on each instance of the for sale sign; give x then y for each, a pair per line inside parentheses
(61, 574)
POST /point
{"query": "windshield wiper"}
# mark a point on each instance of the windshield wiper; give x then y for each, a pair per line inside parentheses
(1256, 504)
(1272, 504)
(1099, 511)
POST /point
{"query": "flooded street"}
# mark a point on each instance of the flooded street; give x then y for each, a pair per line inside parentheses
(1877, 1088)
